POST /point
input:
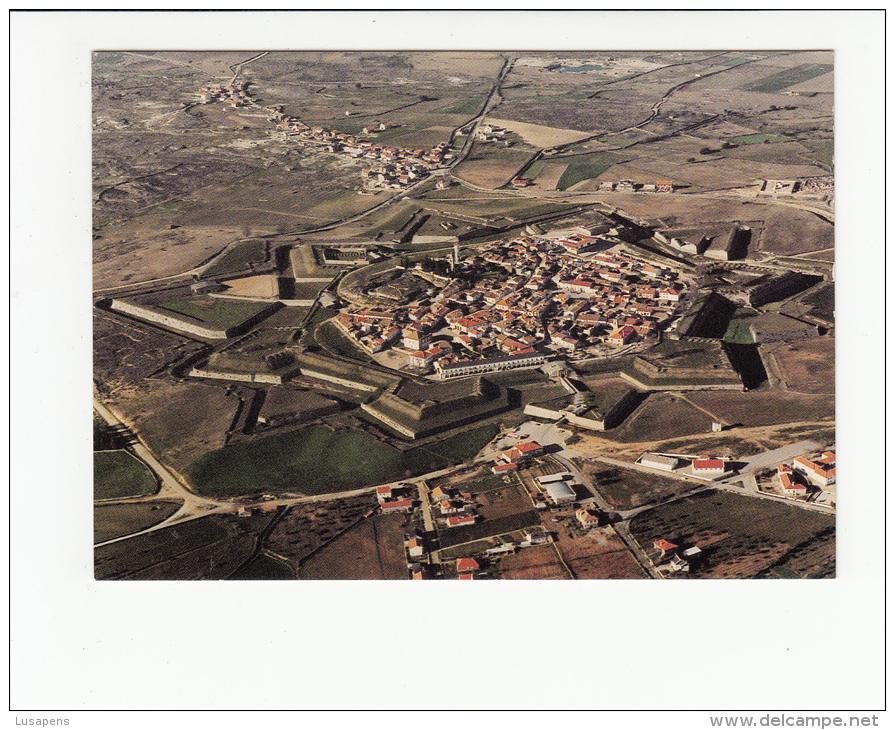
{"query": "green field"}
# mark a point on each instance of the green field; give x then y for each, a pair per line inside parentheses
(217, 312)
(738, 331)
(318, 461)
(586, 167)
(822, 149)
(118, 474)
(239, 258)
(467, 106)
(532, 172)
(789, 77)
(758, 139)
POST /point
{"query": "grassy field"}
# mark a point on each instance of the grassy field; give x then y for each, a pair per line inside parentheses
(789, 77)
(318, 461)
(119, 474)
(807, 366)
(738, 331)
(217, 312)
(117, 520)
(490, 166)
(309, 289)
(238, 258)
(822, 301)
(534, 170)
(534, 563)
(586, 167)
(822, 148)
(179, 421)
(469, 106)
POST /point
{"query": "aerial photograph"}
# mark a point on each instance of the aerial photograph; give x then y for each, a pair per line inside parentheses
(475, 315)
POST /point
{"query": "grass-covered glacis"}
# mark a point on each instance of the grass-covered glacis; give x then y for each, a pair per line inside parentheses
(318, 461)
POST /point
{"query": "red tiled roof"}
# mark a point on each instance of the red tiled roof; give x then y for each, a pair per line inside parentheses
(465, 520)
(708, 464)
(664, 545)
(464, 565)
(397, 503)
(528, 446)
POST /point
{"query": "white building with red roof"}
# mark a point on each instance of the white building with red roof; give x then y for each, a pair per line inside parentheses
(396, 505)
(528, 449)
(705, 465)
(822, 474)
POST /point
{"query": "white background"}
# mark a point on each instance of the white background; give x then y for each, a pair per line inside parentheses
(728, 646)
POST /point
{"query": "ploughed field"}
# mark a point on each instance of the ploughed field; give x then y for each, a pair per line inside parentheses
(213, 547)
(340, 539)
(371, 550)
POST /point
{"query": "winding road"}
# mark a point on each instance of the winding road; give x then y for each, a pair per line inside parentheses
(173, 486)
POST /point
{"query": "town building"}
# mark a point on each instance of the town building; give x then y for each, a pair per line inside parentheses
(559, 493)
(588, 518)
(396, 505)
(665, 547)
(819, 472)
(705, 465)
(415, 547)
(659, 461)
(526, 450)
(461, 520)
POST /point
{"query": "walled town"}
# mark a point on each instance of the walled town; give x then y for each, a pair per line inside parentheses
(410, 316)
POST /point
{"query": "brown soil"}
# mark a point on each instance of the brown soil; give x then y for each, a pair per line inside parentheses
(179, 421)
(373, 550)
(808, 366)
(535, 563)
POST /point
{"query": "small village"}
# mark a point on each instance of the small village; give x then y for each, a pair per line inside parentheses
(391, 167)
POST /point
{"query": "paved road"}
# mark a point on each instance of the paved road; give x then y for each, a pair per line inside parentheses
(621, 529)
(423, 491)
(768, 459)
